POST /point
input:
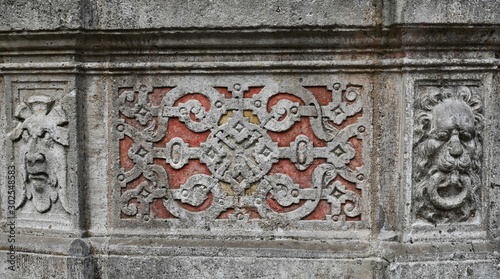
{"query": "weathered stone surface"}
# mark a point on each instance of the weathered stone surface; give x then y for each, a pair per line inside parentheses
(217, 14)
(443, 12)
(454, 269)
(112, 15)
(30, 265)
(269, 139)
(19, 15)
(243, 267)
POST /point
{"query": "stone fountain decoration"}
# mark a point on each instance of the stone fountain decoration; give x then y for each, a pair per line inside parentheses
(250, 139)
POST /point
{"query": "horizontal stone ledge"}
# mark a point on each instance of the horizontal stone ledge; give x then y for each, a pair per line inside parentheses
(286, 66)
(242, 235)
(307, 249)
(359, 250)
(299, 54)
(398, 36)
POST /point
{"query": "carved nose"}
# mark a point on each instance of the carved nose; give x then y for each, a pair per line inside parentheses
(35, 158)
(456, 149)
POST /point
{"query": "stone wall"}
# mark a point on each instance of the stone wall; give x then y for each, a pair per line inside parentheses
(250, 139)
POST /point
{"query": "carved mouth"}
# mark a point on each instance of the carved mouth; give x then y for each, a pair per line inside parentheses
(40, 176)
(450, 190)
(37, 168)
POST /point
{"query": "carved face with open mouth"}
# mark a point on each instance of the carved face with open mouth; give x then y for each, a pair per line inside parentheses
(452, 137)
(41, 139)
(448, 155)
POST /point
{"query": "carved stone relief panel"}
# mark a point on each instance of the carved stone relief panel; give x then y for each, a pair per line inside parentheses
(447, 152)
(38, 141)
(41, 139)
(243, 154)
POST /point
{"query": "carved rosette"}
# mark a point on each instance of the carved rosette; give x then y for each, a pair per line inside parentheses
(242, 154)
(447, 153)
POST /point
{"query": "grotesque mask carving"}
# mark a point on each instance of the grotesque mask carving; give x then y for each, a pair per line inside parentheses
(40, 141)
(447, 154)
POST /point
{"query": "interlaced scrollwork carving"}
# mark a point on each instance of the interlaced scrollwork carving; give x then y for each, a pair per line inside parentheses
(242, 153)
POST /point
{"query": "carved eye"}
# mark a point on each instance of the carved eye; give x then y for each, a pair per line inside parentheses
(46, 135)
(442, 136)
(465, 136)
(26, 135)
(47, 138)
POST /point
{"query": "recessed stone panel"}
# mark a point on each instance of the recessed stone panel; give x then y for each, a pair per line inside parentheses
(41, 192)
(242, 155)
(447, 153)
(447, 194)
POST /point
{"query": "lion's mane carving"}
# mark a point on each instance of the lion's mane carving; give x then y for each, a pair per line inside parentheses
(447, 154)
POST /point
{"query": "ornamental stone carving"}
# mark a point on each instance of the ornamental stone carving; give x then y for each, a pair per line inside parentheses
(40, 140)
(242, 153)
(447, 153)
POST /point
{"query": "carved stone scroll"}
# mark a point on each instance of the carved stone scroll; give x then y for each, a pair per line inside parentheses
(447, 153)
(247, 154)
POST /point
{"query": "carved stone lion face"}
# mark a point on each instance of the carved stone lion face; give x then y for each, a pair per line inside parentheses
(447, 158)
(40, 142)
